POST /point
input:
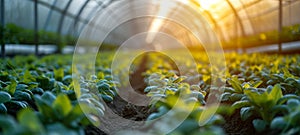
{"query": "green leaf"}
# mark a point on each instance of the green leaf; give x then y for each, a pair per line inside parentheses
(153, 116)
(246, 85)
(8, 123)
(48, 97)
(236, 86)
(293, 131)
(294, 117)
(100, 75)
(19, 104)
(67, 79)
(278, 77)
(293, 103)
(207, 114)
(225, 96)
(286, 98)
(107, 98)
(187, 126)
(43, 82)
(59, 128)
(256, 98)
(282, 109)
(259, 125)
(225, 110)
(27, 77)
(275, 94)
(21, 87)
(62, 105)
(75, 116)
(278, 123)
(44, 107)
(27, 118)
(4, 97)
(256, 84)
(246, 112)
(97, 103)
(236, 97)
(12, 87)
(20, 95)
(103, 86)
(229, 89)
(287, 73)
(3, 108)
(59, 74)
(240, 104)
(39, 91)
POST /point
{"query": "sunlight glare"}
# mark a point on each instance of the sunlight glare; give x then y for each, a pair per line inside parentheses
(208, 4)
(165, 7)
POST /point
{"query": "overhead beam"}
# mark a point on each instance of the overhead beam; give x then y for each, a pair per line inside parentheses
(43, 3)
(245, 6)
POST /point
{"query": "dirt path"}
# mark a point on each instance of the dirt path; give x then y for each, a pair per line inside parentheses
(124, 109)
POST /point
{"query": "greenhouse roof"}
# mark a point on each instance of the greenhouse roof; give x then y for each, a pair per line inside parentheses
(228, 18)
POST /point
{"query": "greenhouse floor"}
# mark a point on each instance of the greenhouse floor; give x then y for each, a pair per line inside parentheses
(29, 49)
(286, 47)
(50, 49)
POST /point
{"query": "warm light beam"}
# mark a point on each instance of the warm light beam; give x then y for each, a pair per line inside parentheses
(208, 4)
(165, 7)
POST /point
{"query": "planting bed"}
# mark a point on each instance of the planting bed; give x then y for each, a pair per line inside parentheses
(259, 94)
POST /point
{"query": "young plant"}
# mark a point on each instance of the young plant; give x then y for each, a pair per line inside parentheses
(266, 105)
(289, 123)
(237, 91)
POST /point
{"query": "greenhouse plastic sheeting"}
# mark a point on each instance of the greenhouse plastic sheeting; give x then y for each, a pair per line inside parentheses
(229, 18)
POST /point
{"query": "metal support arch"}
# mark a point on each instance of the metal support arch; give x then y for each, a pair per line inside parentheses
(62, 17)
(216, 24)
(89, 17)
(239, 22)
(2, 10)
(61, 21)
(49, 15)
(237, 16)
(61, 11)
(280, 27)
(210, 16)
(36, 27)
(101, 8)
(77, 17)
(245, 6)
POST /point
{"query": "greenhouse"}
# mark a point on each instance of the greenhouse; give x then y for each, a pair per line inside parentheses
(156, 67)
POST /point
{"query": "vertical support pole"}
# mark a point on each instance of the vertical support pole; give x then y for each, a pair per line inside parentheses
(237, 38)
(2, 10)
(280, 27)
(36, 36)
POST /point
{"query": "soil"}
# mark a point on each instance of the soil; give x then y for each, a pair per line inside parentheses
(234, 125)
(137, 79)
(124, 109)
(92, 130)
